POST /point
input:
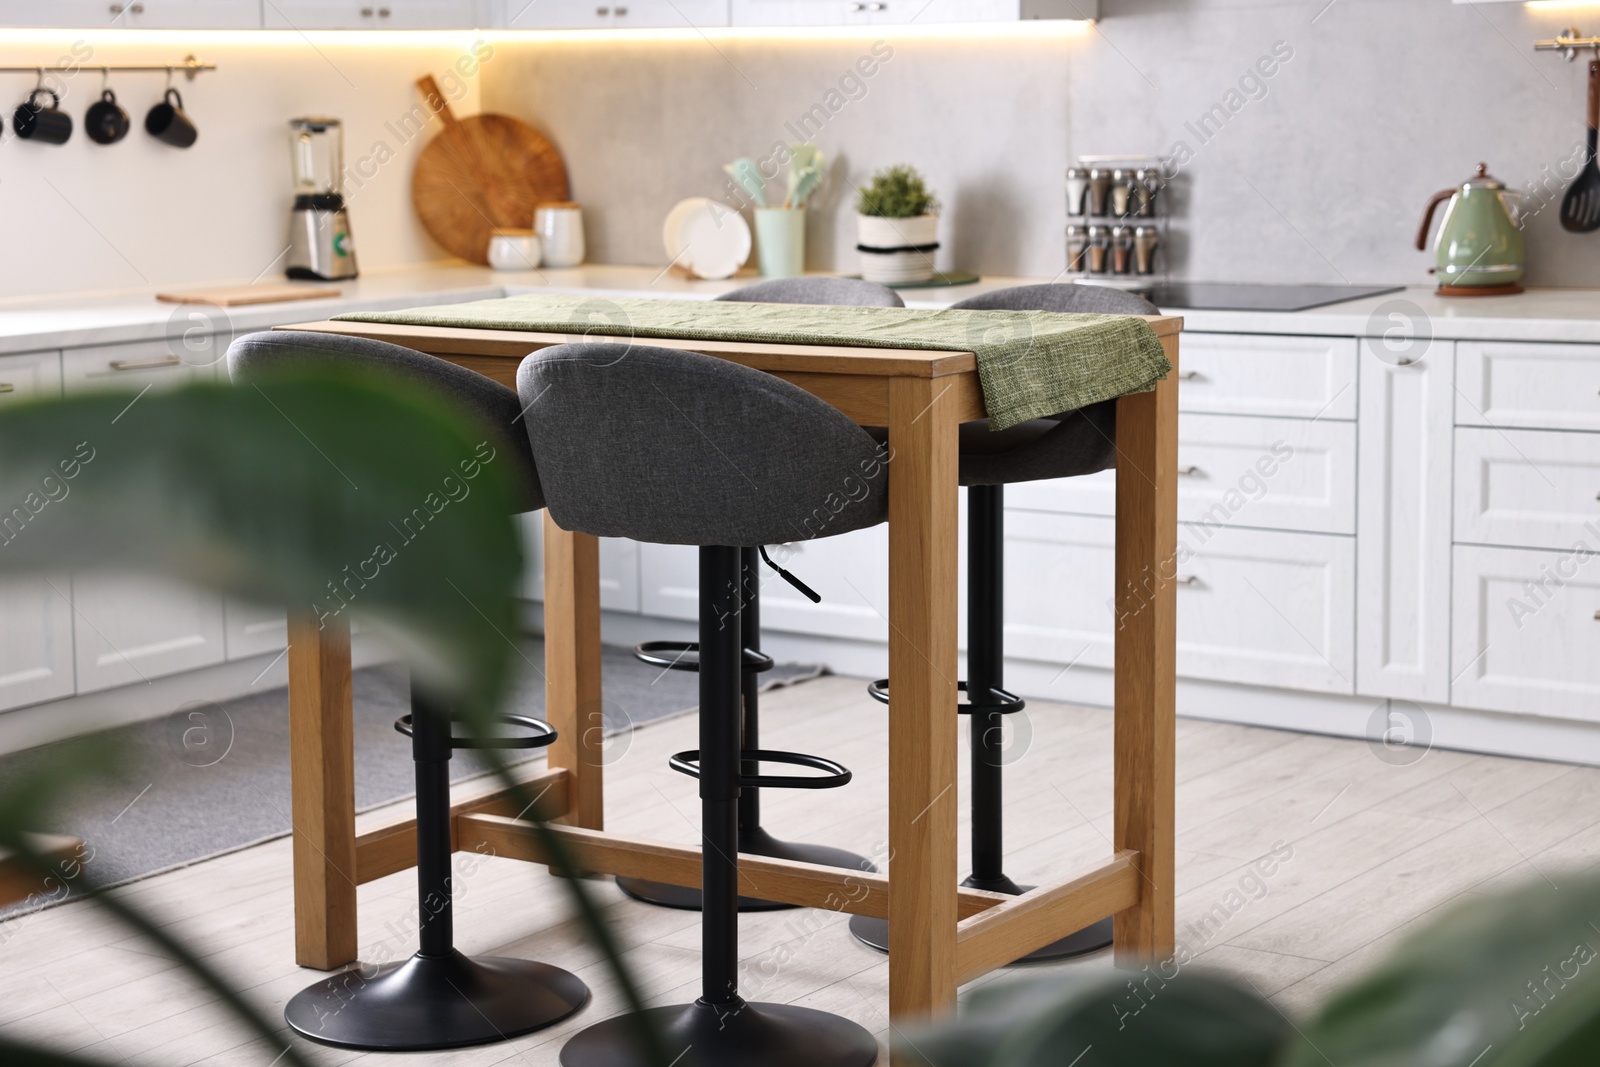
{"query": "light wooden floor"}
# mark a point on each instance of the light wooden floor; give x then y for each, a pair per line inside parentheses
(1367, 850)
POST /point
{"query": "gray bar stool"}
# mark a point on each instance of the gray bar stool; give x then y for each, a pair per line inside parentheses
(754, 839)
(679, 448)
(439, 998)
(1061, 446)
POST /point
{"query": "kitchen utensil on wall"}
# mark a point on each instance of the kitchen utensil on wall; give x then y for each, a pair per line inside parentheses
(1099, 188)
(707, 238)
(33, 121)
(105, 122)
(1121, 192)
(1479, 249)
(483, 173)
(1121, 249)
(1148, 185)
(1077, 247)
(1099, 243)
(320, 246)
(167, 121)
(515, 249)
(1146, 239)
(1580, 208)
(560, 229)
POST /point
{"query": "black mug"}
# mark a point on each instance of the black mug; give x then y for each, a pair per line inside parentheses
(167, 122)
(105, 122)
(34, 122)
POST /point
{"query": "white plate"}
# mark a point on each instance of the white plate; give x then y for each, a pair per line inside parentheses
(709, 238)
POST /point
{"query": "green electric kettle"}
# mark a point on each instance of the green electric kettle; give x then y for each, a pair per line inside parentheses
(1480, 244)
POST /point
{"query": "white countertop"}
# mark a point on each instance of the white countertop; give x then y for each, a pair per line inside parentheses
(133, 315)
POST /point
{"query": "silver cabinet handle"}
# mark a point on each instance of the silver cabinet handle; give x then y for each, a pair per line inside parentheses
(145, 364)
(366, 12)
(7, 387)
(1597, 616)
(1189, 375)
(137, 9)
(602, 11)
(383, 12)
(1186, 579)
(1190, 471)
(622, 12)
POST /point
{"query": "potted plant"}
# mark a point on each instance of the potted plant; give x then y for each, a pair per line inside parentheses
(897, 227)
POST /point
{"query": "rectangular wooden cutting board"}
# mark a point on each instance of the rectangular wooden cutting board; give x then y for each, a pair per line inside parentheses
(242, 295)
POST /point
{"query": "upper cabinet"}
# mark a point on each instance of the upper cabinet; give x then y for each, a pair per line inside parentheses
(903, 12)
(134, 14)
(371, 14)
(606, 15)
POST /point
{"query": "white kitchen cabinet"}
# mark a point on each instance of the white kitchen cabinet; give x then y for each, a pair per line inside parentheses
(251, 629)
(904, 12)
(371, 14)
(1403, 527)
(851, 572)
(1532, 385)
(1258, 607)
(610, 15)
(619, 566)
(1259, 374)
(1527, 488)
(35, 639)
(134, 14)
(1281, 474)
(1526, 627)
(130, 628)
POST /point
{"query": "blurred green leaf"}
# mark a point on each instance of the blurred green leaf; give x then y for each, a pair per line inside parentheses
(1510, 980)
(1134, 1019)
(321, 491)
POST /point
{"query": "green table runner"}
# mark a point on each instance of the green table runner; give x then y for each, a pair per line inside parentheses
(1030, 363)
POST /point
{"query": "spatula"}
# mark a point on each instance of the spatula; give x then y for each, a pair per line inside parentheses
(1580, 208)
(744, 171)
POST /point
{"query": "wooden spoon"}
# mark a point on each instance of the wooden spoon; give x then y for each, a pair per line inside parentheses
(1580, 208)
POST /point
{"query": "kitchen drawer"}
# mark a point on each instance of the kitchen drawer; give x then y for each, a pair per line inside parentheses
(133, 628)
(129, 366)
(1526, 626)
(1527, 488)
(1282, 474)
(619, 566)
(1258, 607)
(1525, 384)
(850, 572)
(1258, 374)
(30, 376)
(35, 639)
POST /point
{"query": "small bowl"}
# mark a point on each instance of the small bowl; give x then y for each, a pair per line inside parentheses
(515, 250)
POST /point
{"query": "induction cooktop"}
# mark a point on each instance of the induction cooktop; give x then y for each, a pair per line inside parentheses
(1243, 296)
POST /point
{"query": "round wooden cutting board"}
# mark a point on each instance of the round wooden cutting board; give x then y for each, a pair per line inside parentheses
(483, 173)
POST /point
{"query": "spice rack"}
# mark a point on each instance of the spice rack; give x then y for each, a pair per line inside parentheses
(1118, 215)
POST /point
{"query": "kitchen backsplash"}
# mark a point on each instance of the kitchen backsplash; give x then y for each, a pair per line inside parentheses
(1309, 134)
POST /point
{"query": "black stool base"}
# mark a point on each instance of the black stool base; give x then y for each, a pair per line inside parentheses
(757, 843)
(435, 1002)
(757, 1035)
(874, 933)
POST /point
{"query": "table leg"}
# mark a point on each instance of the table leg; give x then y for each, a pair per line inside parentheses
(322, 792)
(572, 668)
(923, 537)
(1146, 648)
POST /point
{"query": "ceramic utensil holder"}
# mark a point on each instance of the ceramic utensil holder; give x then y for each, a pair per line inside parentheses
(781, 241)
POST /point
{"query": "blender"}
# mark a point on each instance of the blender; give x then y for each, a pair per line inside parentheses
(320, 247)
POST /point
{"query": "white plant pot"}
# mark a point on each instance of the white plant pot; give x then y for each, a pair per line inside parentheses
(897, 250)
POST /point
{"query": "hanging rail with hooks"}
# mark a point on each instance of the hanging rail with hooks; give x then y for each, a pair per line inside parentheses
(1571, 42)
(189, 67)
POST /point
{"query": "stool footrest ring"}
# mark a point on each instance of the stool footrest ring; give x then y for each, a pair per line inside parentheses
(542, 733)
(671, 655)
(1000, 700)
(833, 776)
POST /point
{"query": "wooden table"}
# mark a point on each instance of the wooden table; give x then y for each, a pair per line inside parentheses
(952, 935)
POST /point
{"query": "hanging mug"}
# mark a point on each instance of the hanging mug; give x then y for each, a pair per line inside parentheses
(33, 122)
(167, 122)
(105, 122)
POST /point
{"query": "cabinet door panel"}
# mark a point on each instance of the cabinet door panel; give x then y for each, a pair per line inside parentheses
(35, 639)
(29, 376)
(252, 629)
(133, 14)
(1525, 631)
(610, 15)
(1286, 474)
(619, 566)
(1403, 529)
(129, 629)
(370, 14)
(1258, 607)
(1258, 374)
(1528, 384)
(1527, 488)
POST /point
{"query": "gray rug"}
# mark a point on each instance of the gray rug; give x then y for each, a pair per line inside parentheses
(213, 778)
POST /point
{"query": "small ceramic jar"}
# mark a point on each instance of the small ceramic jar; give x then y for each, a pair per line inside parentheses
(560, 227)
(514, 250)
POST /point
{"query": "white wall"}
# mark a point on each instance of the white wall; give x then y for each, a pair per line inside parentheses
(139, 213)
(1382, 103)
